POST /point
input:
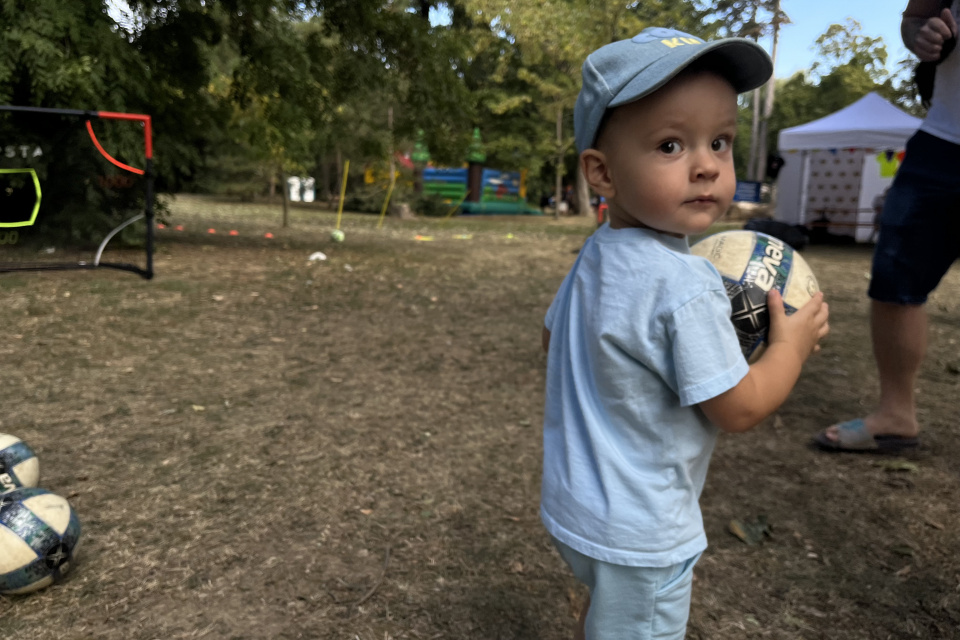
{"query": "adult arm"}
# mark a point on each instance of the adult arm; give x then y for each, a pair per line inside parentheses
(924, 28)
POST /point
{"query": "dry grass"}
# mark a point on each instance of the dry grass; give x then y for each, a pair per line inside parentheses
(260, 446)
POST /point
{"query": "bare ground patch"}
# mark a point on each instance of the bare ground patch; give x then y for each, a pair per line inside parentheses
(260, 446)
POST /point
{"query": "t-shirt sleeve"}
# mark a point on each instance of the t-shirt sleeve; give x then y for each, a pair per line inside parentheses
(562, 294)
(551, 313)
(707, 360)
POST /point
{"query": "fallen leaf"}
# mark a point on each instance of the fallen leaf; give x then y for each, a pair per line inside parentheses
(198, 407)
(897, 465)
(750, 532)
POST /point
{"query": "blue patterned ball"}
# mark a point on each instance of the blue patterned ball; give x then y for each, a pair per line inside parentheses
(38, 535)
(19, 466)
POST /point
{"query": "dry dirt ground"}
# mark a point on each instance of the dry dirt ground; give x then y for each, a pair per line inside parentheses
(260, 446)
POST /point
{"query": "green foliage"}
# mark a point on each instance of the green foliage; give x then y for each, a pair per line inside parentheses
(368, 198)
(844, 46)
(431, 205)
(848, 66)
(242, 91)
(752, 19)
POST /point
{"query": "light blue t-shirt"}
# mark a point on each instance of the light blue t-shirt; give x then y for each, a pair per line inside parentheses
(640, 333)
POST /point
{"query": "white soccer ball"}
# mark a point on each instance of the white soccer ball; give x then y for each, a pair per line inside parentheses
(38, 535)
(751, 263)
(19, 466)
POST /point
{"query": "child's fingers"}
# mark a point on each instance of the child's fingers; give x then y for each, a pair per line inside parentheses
(823, 317)
(816, 306)
(775, 303)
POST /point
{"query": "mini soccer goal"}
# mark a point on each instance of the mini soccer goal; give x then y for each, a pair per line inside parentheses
(76, 190)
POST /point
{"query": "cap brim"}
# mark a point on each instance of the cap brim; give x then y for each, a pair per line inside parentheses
(742, 62)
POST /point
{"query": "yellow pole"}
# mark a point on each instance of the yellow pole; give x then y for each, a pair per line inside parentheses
(343, 190)
(383, 211)
(456, 206)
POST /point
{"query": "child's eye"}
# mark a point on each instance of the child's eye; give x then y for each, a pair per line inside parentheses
(670, 147)
(720, 144)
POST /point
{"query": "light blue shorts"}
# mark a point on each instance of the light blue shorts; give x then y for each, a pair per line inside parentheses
(633, 603)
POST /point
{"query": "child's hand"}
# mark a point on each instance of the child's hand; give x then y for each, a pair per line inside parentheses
(803, 330)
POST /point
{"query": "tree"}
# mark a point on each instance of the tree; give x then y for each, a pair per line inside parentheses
(848, 66)
(753, 19)
(67, 55)
(844, 45)
(540, 48)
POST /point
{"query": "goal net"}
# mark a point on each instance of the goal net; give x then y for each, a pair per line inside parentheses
(76, 190)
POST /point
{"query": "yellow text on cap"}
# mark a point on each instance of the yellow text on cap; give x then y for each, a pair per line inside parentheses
(677, 42)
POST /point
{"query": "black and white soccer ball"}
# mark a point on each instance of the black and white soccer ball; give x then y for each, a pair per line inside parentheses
(751, 263)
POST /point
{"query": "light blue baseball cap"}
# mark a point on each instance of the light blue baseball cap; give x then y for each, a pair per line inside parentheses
(628, 70)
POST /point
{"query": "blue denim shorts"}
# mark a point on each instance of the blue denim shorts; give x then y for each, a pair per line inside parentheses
(633, 603)
(920, 225)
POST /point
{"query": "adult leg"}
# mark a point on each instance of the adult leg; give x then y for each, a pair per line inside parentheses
(899, 334)
(899, 344)
(918, 242)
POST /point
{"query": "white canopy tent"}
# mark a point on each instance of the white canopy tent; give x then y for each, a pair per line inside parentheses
(837, 166)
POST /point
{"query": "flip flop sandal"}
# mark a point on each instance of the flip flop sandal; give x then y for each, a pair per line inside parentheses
(853, 437)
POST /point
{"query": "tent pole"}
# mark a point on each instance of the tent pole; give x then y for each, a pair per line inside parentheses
(804, 186)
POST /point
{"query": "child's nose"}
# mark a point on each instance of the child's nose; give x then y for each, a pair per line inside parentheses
(705, 165)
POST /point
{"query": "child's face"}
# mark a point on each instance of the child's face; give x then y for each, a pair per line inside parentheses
(669, 156)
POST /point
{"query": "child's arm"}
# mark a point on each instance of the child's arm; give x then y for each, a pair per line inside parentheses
(768, 383)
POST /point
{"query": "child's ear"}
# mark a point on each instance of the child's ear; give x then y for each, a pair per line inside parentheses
(593, 164)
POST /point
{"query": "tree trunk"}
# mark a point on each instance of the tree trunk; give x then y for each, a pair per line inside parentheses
(286, 197)
(325, 177)
(768, 100)
(754, 136)
(393, 165)
(755, 122)
(558, 184)
(336, 191)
